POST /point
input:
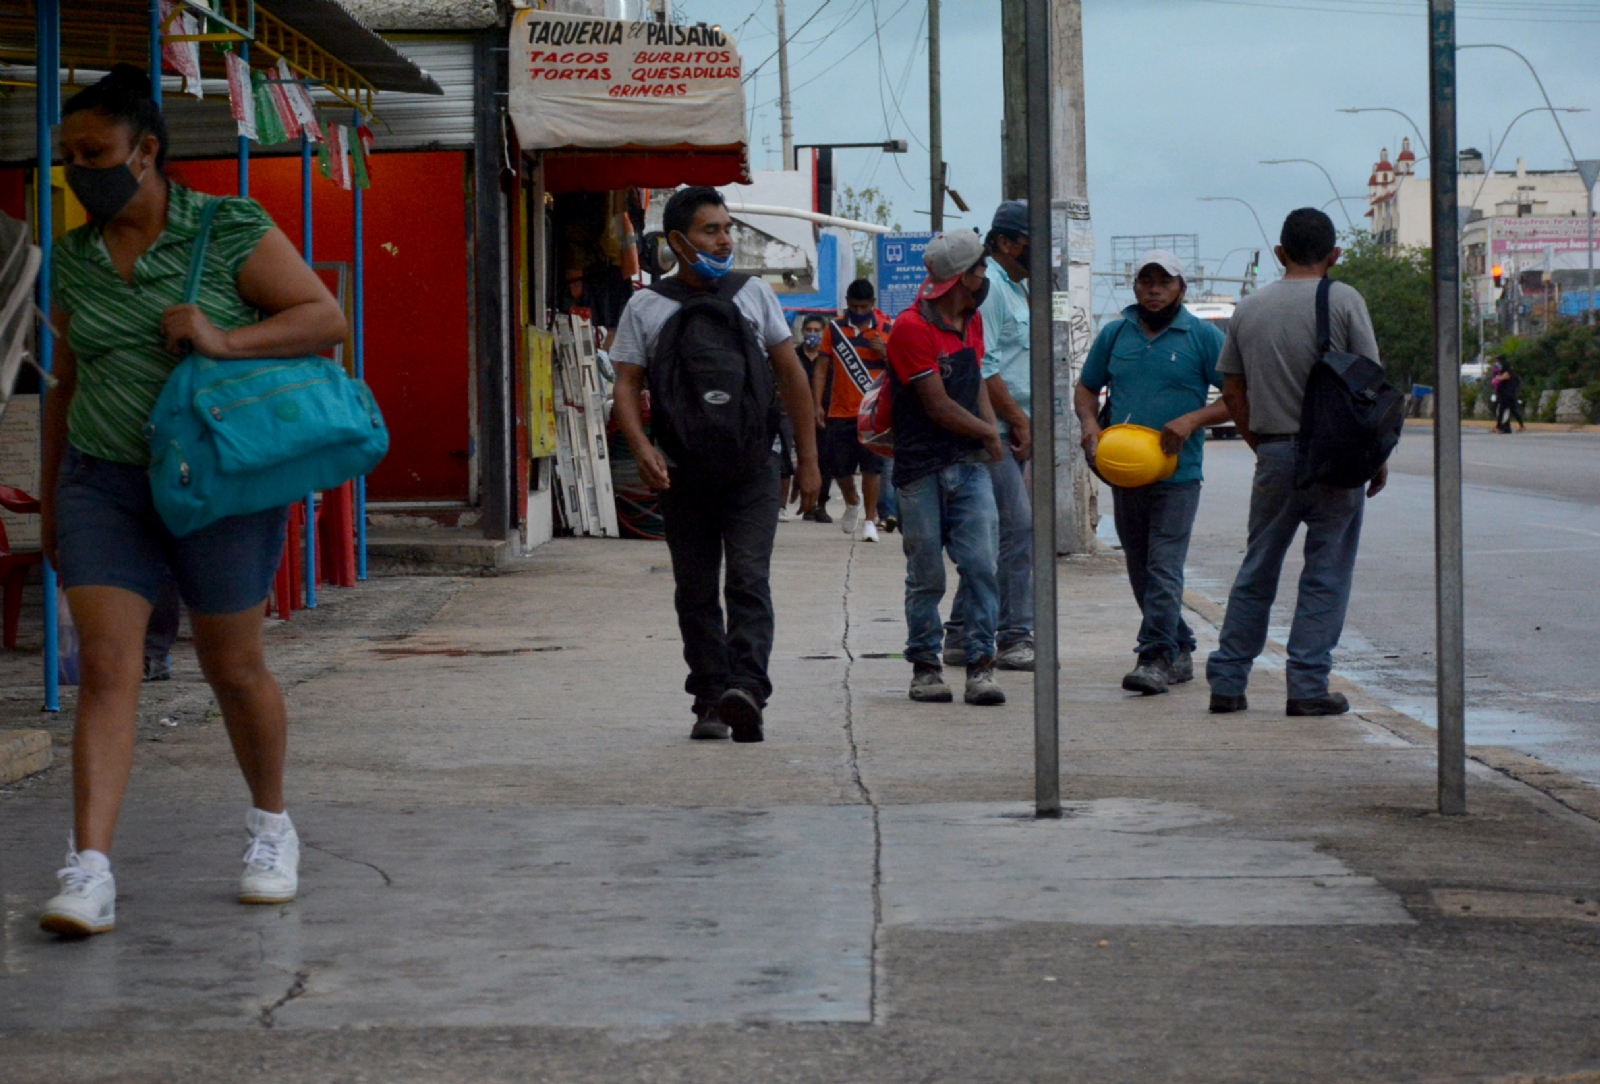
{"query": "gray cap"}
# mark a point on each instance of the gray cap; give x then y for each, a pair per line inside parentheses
(1162, 259)
(948, 257)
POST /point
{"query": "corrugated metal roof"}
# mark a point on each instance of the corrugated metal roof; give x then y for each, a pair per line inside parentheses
(426, 14)
(331, 26)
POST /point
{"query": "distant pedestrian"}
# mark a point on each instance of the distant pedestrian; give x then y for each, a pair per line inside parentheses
(856, 349)
(812, 327)
(1008, 376)
(680, 333)
(123, 329)
(1160, 363)
(1266, 363)
(1508, 398)
(944, 437)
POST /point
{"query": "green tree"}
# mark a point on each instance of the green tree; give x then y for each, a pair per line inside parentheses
(867, 205)
(1398, 290)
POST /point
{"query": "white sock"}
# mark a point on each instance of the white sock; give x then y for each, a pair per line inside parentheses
(274, 824)
(94, 862)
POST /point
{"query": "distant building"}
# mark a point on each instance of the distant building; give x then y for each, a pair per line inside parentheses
(1521, 220)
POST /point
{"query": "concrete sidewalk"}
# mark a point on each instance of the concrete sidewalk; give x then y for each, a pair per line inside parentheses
(519, 868)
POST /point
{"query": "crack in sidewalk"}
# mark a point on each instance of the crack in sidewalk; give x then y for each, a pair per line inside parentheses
(388, 882)
(863, 789)
(296, 989)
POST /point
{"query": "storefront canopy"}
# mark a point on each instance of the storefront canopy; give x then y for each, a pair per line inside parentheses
(620, 104)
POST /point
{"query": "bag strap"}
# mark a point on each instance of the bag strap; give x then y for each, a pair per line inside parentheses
(197, 261)
(1324, 328)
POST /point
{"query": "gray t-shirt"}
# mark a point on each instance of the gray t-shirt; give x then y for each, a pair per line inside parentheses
(1272, 342)
(647, 313)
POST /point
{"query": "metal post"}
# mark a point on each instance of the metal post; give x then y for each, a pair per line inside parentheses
(1451, 668)
(935, 123)
(1589, 172)
(305, 247)
(359, 333)
(47, 110)
(244, 141)
(785, 117)
(155, 51)
(1041, 346)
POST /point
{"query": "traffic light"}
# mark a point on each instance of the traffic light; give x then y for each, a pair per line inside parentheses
(1497, 271)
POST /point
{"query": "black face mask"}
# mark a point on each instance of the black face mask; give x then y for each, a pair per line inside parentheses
(980, 293)
(103, 192)
(860, 319)
(1161, 318)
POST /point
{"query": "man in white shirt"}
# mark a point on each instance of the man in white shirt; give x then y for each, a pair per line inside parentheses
(705, 522)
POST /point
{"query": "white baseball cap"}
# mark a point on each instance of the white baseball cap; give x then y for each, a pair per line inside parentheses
(1162, 259)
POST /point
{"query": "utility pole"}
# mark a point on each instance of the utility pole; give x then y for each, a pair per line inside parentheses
(783, 91)
(1589, 172)
(935, 123)
(1014, 72)
(1449, 580)
(1072, 329)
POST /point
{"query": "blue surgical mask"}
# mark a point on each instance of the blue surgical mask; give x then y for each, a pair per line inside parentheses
(860, 319)
(711, 267)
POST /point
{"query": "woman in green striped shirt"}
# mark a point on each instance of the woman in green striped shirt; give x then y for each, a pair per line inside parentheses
(118, 290)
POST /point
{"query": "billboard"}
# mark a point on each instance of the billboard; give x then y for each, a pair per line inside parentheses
(1536, 234)
(900, 270)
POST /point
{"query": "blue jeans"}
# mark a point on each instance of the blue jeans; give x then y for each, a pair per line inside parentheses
(1333, 533)
(952, 508)
(1015, 564)
(1154, 523)
(887, 504)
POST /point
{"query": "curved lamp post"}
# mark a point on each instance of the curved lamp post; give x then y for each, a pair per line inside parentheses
(1325, 173)
(1252, 210)
(1533, 72)
(1385, 109)
(1494, 155)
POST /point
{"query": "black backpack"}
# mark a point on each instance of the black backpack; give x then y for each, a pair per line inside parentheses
(713, 395)
(1351, 417)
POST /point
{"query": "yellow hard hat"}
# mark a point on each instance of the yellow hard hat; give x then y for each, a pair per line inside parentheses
(1130, 456)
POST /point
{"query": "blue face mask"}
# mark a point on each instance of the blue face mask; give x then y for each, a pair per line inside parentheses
(711, 267)
(812, 339)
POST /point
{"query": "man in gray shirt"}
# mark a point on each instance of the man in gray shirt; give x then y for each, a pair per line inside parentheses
(1266, 362)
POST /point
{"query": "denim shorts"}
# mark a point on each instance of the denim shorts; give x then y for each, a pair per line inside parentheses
(110, 535)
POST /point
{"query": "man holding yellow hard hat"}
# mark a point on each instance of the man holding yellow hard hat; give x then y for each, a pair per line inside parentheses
(1160, 362)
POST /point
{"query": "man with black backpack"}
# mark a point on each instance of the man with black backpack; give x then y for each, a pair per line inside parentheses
(717, 353)
(1272, 354)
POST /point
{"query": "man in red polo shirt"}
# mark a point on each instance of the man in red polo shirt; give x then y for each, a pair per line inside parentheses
(944, 437)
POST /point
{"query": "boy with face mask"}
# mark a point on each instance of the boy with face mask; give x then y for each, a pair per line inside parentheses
(945, 436)
(855, 351)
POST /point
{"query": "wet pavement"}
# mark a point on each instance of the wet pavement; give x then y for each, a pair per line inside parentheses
(517, 866)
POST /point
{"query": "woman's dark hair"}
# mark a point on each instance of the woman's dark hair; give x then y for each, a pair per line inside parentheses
(685, 204)
(124, 96)
(1308, 236)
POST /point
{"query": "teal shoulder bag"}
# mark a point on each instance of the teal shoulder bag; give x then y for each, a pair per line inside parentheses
(229, 438)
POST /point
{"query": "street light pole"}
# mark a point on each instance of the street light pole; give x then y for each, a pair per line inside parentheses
(1252, 210)
(1450, 672)
(1285, 161)
(1589, 172)
(1531, 71)
(1396, 112)
(785, 117)
(935, 123)
(1494, 153)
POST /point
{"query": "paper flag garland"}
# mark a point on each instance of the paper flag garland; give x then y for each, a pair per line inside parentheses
(241, 95)
(269, 123)
(299, 99)
(339, 148)
(359, 150)
(182, 57)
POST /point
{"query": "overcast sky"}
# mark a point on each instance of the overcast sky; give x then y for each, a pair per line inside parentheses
(1184, 97)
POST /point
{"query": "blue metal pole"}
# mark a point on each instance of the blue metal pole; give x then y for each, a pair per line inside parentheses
(244, 142)
(155, 51)
(47, 67)
(311, 498)
(360, 311)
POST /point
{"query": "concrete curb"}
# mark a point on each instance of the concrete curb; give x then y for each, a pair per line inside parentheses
(23, 753)
(1566, 789)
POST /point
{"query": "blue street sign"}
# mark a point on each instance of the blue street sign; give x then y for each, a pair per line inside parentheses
(900, 270)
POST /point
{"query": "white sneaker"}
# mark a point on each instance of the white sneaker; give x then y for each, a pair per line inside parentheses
(272, 861)
(851, 519)
(86, 904)
(784, 516)
(869, 531)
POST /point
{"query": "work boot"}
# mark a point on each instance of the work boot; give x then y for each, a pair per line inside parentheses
(742, 712)
(1151, 677)
(1326, 704)
(1017, 656)
(982, 689)
(708, 726)
(1183, 668)
(955, 647)
(158, 669)
(1223, 704)
(927, 685)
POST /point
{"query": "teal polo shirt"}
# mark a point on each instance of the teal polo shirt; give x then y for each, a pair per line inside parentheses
(1006, 337)
(1156, 380)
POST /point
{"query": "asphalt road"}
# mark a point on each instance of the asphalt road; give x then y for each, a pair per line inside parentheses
(1531, 508)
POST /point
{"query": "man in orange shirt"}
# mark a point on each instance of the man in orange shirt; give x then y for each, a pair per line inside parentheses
(857, 350)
